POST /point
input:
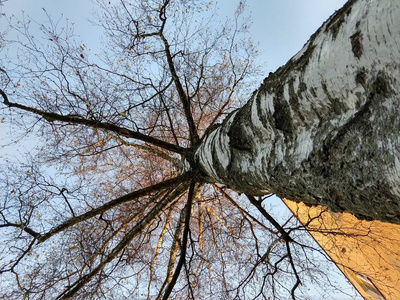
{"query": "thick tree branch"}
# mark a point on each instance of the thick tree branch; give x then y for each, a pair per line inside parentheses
(286, 237)
(73, 119)
(170, 120)
(194, 137)
(182, 257)
(118, 201)
(173, 252)
(151, 150)
(298, 281)
(22, 226)
(5, 98)
(137, 229)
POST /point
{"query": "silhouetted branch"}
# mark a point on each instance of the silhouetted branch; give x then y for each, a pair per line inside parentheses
(73, 119)
(183, 243)
(286, 237)
(138, 228)
(128, 197)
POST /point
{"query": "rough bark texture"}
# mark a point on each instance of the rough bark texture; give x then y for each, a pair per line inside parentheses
(324, 128)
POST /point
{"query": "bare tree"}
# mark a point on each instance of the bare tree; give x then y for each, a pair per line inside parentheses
(130, 195)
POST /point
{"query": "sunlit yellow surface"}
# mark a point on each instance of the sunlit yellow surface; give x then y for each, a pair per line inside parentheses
(368, 253)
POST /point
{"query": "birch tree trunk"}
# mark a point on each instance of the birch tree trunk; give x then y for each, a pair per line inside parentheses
(324, 128)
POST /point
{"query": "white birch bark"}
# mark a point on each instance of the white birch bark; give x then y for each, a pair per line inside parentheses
(325, 127)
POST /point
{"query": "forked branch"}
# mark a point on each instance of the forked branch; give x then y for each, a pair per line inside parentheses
(166, 202)
(182, 257)
(78, 120)
(117, 201)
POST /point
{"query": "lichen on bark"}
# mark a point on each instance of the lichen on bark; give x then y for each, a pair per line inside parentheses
(324, 128)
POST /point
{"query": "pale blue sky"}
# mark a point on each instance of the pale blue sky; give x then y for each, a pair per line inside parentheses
(281, 27)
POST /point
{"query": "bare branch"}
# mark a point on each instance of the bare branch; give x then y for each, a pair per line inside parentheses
(183, 243)
(138, 228)
(194, 137)
(72, 119)
(118, 201)
(281, 230)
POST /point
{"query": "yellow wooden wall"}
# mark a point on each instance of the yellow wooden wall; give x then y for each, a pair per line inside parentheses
(368, 253)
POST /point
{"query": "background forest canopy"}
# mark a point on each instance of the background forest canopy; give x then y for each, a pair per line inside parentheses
(111, 202)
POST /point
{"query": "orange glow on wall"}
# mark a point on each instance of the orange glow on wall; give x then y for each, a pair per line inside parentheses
(368, 253)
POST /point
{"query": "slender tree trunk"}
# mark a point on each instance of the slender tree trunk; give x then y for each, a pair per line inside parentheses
(324, 128)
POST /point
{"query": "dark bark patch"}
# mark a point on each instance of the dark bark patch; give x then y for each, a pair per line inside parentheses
(382, 86)
(361, 78)
(282, 116)
(350, 160)
(274, 82)
(237, 141)
(337, 105)
(302, 87)
(356, 44)
(238, 137)
(313, 92)
(294, 97)
(360, 123)
(334, 22)
(302, 62)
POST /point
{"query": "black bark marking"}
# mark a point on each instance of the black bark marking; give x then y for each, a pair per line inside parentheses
(273, 84)
(302, 62)
(334, 22)
(238, 138)
(361, 78)
(282, 116)
(313, 91)
(294, 97)
(302, 88)
(360, 123)
(382, 86)
(356, 45)
(337, 105)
